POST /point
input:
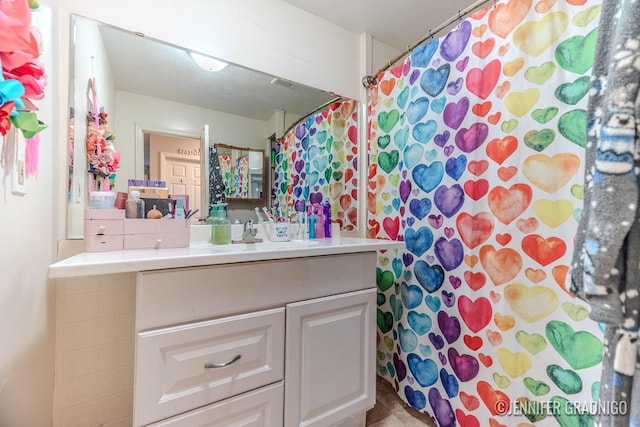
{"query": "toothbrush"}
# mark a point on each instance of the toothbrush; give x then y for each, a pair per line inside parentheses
(266, 211)
(259, 215)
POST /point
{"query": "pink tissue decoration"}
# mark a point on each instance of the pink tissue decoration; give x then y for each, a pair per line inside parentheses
(32, 76)
(5, 112)
(31, 155)
(18, 40)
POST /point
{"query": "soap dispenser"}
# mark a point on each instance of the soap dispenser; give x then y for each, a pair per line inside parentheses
(220, 224)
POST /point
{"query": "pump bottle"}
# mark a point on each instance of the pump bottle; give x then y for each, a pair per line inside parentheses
(220, 224)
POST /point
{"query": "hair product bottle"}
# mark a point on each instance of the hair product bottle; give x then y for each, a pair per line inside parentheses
(134, 206)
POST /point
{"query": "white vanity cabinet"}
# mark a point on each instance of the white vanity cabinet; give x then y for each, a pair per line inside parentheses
(211, 341)
(218, 336)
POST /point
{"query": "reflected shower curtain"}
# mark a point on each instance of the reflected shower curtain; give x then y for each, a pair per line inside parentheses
(241, 178)
(225, 172)
(317, 162)
(477, 146)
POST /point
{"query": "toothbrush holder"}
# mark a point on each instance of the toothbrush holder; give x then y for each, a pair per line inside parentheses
(279, 231)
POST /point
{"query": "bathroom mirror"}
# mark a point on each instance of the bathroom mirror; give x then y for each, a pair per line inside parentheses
(146, 85)
(242, 171)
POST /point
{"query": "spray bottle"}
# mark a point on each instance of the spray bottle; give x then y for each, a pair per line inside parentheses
(312, 223)
(319, 221)
(326, 207)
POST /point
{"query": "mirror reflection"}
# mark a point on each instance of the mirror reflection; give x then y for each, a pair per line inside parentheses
(147, 86)
(316, 163)
(175, 160)
(242, 171)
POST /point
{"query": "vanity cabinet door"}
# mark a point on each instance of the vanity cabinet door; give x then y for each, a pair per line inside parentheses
(330, 359)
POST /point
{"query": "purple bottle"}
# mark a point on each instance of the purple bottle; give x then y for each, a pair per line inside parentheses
(326, 207)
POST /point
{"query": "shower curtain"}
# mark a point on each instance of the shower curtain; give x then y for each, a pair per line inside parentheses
(477, 147)
(317, 162)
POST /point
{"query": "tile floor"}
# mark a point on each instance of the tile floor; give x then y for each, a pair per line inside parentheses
(391, 411)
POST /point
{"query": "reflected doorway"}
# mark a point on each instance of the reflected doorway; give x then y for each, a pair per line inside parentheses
(182, 175)
(174, 159)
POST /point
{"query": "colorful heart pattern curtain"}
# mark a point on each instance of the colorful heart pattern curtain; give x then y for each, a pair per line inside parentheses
(317, 161)
(241, 178)
(226, 173)
(477, 146)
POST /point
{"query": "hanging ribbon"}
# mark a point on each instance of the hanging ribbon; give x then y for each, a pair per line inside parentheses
(101, 153)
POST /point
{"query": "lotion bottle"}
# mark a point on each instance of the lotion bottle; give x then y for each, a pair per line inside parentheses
(134, 206)
(179, 214)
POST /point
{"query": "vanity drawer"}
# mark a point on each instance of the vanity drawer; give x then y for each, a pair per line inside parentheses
(179, 368)
(262, 407)
(156, 241)
(105, 242)
(94, 227)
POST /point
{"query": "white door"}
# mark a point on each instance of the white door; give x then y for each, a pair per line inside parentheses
(330, 359)
(182, 175)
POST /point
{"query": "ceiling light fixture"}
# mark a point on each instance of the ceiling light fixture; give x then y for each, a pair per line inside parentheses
(208, 63)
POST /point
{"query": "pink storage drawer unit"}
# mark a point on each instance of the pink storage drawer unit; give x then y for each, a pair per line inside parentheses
(108, 230)
(103, 230)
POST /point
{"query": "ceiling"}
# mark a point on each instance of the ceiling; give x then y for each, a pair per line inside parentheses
(148, 67)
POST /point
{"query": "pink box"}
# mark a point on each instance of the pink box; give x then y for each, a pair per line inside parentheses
(108, 230)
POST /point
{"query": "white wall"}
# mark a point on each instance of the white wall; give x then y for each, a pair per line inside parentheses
(381, 54)
(27, 298)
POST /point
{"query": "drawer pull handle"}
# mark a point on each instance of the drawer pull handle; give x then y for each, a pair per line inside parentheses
(101, 230)
(222, 365)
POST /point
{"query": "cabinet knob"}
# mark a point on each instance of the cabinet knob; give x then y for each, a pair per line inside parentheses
(222, 365)
(101, 230)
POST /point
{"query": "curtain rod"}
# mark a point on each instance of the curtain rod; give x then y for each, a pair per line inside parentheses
(304, 117)
(368, 81)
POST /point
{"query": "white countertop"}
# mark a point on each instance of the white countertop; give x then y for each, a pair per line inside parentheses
(93, 263)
